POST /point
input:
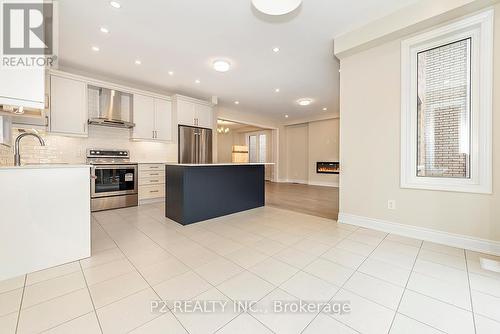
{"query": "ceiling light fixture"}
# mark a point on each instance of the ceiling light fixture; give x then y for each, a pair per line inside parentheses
(138, 62)
(170, 73)
(276, 7)
(197, 81)
(104, 30)
(277, 90)
(223, 130)
(236, 102)
(286, 116)
(304, 102)
(221, 65)
(115, 4)
(95, 48)
(276, 50)
(325, 109)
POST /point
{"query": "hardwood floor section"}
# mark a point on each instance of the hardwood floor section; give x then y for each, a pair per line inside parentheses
(313, 200)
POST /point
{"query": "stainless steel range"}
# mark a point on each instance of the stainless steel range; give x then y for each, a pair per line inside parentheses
(113, 179)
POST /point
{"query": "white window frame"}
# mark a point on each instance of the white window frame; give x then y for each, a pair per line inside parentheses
(479, 27)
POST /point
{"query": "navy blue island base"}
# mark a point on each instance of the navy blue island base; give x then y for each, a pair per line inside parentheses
(196, 193)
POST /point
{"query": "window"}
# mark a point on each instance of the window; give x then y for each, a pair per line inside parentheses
(447, 106)
(252, 148)
(262, 148)
(443, 111)
(257, 148)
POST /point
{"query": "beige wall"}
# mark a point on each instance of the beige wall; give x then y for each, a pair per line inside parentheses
(302, 145)
(370, 152)
(323, 146)
(225, 144)
(296, 153)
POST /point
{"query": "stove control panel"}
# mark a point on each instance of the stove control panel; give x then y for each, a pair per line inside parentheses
(103, 153)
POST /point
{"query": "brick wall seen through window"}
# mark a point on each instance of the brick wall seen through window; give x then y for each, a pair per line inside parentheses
(444, 111)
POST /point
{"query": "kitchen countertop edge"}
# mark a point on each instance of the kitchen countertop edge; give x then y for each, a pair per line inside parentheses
(222, 164)
(45, 166)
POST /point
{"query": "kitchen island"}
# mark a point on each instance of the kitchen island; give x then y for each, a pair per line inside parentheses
(197, 192)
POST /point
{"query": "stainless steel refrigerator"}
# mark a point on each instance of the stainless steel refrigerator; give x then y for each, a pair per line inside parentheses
(195, 145)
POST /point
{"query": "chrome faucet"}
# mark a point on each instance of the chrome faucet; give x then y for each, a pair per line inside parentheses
(17, 156)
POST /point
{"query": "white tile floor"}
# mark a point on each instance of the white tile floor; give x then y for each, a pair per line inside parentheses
(394, 284)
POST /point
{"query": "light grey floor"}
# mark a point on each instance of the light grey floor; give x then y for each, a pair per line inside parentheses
(392, 284)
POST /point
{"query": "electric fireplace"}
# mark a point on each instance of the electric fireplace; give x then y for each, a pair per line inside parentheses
(323, 167)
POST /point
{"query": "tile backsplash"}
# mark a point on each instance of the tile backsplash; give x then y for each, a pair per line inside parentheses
(62, 149)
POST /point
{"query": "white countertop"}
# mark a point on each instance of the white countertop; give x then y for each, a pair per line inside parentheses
(45, 166)
(223, 164)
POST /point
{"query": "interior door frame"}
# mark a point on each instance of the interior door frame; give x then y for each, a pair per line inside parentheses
(275, 131)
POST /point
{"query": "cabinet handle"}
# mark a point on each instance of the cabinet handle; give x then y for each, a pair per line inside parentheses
(156, 167)
(154, 191)
(153, 181)
(154, 174)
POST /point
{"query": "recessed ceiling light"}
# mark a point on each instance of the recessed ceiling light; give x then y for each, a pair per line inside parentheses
(304, 102)
(197, 81)
(286, 116)
(221, 65)
(325, 109)
(115, 4)
(95, 48)
(276, 7)
(170, 73)
(276, 50)
(277, 90)
(104, 30)
(138, 62)
(236, 102)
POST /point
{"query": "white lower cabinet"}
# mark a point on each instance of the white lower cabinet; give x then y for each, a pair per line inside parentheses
(151, 182)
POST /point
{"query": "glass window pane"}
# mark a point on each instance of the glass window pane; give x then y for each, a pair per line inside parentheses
(444, 111)
(252, 148)
(262, 148)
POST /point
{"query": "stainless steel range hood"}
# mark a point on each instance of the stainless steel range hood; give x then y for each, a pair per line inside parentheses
(114, 108)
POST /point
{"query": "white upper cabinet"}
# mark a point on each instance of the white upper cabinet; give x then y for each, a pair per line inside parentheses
(152, 118)
(68, 106)
(144, 117)
(163, 119)
(23, 87)
(185, 112)
(194, 112)
(204, 115)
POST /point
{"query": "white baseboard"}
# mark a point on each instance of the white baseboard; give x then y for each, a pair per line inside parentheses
(445, 238)
(312, 183)
(324, 184)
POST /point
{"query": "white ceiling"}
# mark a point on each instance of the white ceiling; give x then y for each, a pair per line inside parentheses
(185, 36)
